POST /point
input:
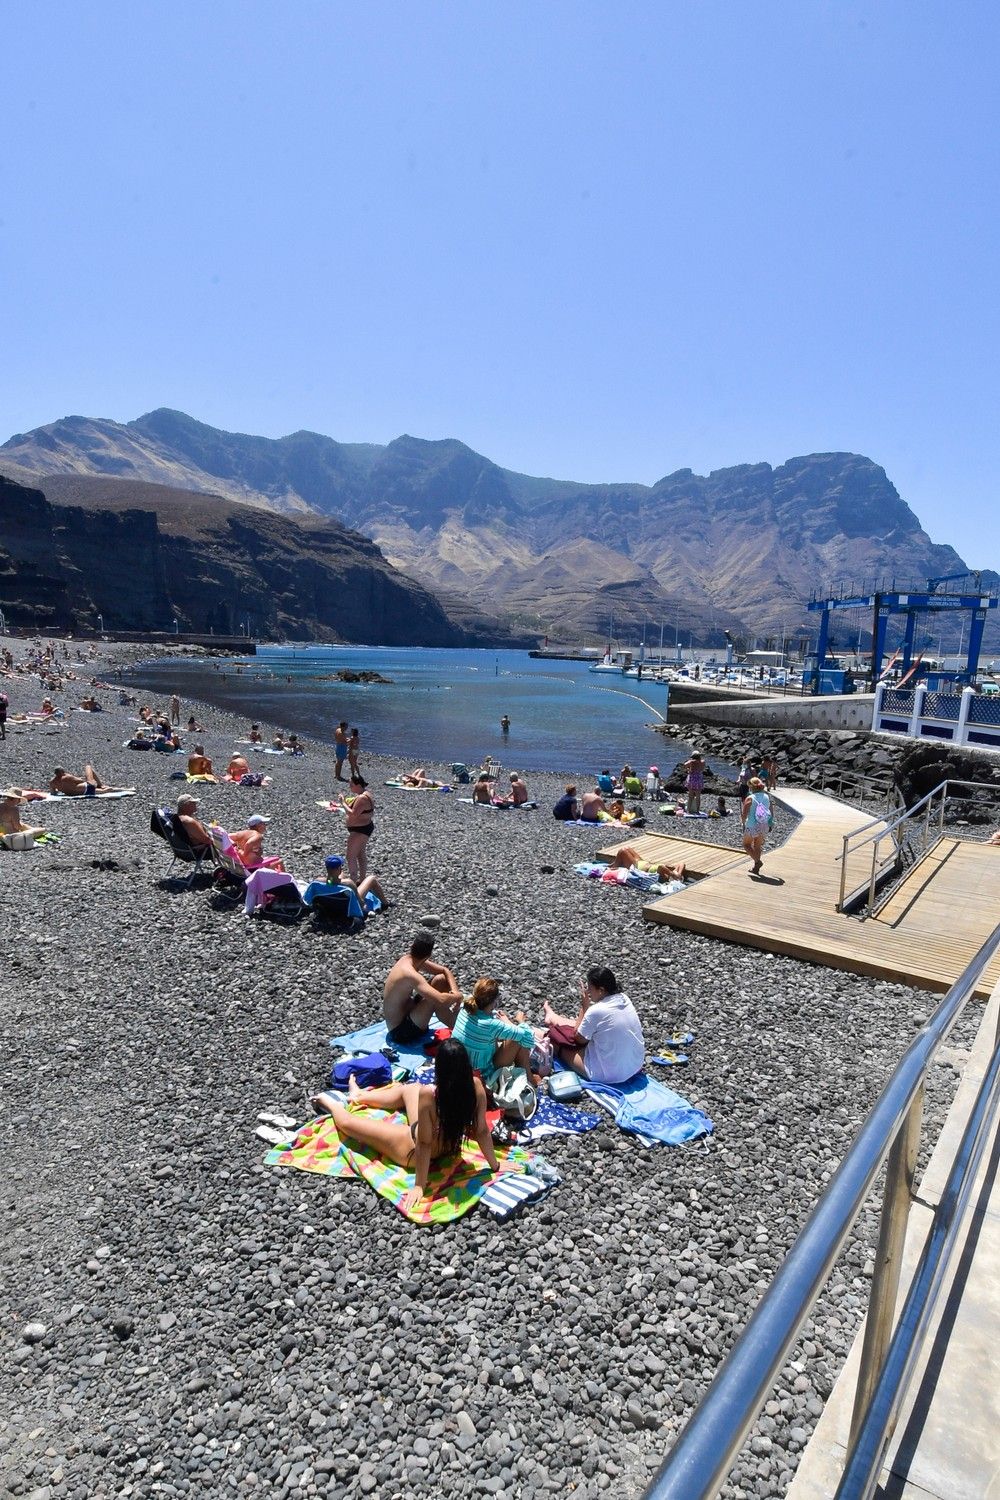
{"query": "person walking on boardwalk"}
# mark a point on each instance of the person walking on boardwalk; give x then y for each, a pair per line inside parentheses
(758, 819)
(340, 748)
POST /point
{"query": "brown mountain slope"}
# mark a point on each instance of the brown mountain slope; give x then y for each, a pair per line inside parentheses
(74, 547)
(743, 547)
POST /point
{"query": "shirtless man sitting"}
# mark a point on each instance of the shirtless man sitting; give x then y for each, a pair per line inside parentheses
(87, 785)
(591, 803)
(416, 989)
(198, 835)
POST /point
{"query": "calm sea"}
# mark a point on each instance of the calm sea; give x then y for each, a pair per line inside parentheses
(441, 705)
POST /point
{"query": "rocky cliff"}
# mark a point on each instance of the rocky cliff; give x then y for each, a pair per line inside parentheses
(75, 547)
(741, 548)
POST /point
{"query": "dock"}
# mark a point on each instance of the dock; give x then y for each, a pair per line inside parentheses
(935, 921)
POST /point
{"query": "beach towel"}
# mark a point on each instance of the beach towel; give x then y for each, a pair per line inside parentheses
(98, 797)
(647, 1108)
(505, 1194)
(501, 807)
(455, 1184)
(585, 823)
(261, 882)
(404, 786)
(374, 1038)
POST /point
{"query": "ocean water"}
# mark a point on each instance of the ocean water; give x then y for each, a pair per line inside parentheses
(441, 705)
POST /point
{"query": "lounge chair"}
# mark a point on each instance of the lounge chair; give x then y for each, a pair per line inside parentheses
(167, 826)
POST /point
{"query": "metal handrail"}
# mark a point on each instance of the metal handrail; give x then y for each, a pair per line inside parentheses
(701, 1458)
(887, 829)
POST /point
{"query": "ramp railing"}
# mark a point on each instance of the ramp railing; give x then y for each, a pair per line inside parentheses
(702, 1456)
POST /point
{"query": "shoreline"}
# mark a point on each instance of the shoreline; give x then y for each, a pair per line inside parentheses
(189, 1291)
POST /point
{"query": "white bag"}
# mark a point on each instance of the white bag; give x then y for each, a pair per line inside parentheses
(514, 1093)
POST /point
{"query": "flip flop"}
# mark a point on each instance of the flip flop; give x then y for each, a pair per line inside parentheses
(671, 1059)
(674, 1040)
(275, 1137)
(284, 1122)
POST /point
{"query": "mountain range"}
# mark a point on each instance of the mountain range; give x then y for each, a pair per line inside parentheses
(741, 549)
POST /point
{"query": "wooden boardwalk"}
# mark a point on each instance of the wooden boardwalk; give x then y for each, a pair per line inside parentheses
(931, 927)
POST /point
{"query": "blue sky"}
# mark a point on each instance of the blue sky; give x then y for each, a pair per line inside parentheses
(598, 241)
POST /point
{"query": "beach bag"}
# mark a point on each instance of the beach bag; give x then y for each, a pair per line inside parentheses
(514, 1093)
(565, 1086)
(460, 772)
(17, 841)
(761, 815)
(541, 1057)
(372, 1071)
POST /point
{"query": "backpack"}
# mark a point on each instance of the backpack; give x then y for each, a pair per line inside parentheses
(370, 1071)
(761, 813)
(514, 1093)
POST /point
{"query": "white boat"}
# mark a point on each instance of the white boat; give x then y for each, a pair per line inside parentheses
(608, 663)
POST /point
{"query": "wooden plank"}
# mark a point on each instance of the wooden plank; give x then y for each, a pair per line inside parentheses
(930, 929)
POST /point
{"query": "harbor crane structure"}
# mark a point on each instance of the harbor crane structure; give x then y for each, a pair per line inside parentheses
(885, 603)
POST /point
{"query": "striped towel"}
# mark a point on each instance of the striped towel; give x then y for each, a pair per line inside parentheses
(504, 1195)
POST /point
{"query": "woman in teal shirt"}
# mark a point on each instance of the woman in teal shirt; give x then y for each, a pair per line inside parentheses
(492, 1041)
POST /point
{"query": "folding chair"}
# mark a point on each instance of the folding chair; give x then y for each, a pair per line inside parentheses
(167, 826)
(338, 910)
(492, 768)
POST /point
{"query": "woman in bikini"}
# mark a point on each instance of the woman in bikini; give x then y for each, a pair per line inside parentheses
(360, 810)
(439, 1119)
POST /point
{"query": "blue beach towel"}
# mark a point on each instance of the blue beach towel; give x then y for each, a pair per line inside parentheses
(373, 1038)
(647, 1108)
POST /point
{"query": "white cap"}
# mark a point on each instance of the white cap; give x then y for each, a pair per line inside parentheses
(256, 821)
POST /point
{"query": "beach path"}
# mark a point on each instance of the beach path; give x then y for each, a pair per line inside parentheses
(928, 931)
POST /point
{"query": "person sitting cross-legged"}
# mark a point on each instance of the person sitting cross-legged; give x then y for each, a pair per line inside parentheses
(491, 1038)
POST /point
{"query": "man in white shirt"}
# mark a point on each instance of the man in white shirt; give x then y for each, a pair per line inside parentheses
(605, 1041)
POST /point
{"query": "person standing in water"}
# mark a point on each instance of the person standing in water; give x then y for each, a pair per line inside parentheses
(505, 725)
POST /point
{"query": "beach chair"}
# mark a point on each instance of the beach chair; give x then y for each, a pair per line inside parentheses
(339, 910)
(492, 768)
(167, 826)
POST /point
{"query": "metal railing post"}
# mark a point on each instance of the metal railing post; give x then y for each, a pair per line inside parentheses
(927, 822)
(944, 796)
(871, 883)
(896, 1198)
(843, 875)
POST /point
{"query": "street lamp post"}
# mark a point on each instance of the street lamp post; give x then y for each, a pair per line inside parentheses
(100, 622)
(176, 627)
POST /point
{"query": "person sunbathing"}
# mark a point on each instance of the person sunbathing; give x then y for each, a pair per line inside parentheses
(628, 859)
(604, 1041)
(490, 1037)
(48, 707)
(193, 726)
(249, 842)
(621, 814)
(87, 785)
(197, 834)
(995, 840)
(417, 777)
(11, 802)
(482, 791)
(337, 882)
(146, 714)
(238, 766)
(199, 765)
(439, 1118)
(416, 989)
(278, 743)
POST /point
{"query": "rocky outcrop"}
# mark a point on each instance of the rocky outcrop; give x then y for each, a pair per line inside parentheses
(741, 548)
(141, 556)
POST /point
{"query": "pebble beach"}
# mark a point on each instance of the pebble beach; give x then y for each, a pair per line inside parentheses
(213, 1326)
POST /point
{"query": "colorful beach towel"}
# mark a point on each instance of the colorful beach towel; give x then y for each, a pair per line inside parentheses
(455, 1184)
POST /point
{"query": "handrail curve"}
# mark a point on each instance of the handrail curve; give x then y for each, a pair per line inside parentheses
(702, 1456)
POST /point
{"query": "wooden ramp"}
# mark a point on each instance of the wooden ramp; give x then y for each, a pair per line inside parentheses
(701, 859)
(931, 927)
